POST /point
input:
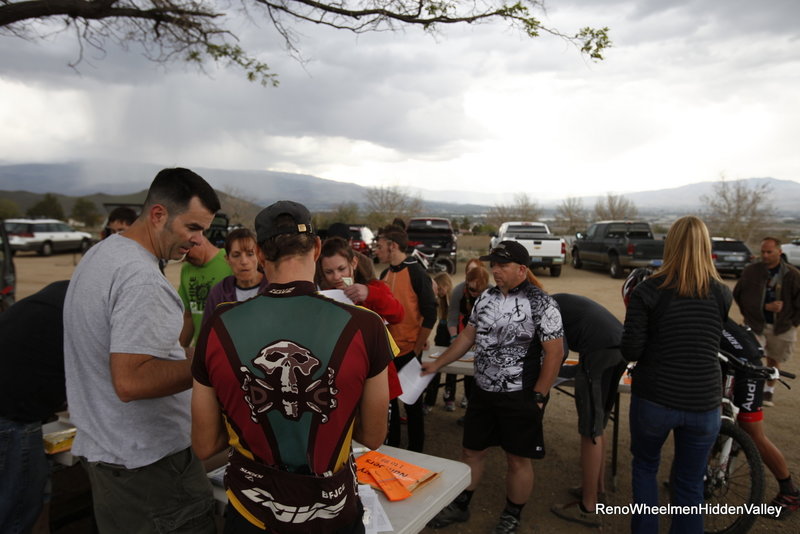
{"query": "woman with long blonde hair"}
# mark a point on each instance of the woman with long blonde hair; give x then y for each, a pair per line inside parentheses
(673, 327)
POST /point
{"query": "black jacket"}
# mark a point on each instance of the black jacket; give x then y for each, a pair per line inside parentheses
(674, 341)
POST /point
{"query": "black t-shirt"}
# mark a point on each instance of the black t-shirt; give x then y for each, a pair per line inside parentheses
(770, 292)
(588, 326)
(32, 385)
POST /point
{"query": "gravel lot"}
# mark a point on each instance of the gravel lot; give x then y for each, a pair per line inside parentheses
(559, 470)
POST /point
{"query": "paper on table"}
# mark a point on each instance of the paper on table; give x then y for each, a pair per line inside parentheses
(375, 516)
(413, 384)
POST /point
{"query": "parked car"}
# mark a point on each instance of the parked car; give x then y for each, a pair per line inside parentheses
(362, 239)
(435, 237)
(730, 256)
(545, 249)
(45, 236)
(616, 246)
(8, 280)
(791, 252)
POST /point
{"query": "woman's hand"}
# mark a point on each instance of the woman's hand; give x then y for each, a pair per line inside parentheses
(357, 293)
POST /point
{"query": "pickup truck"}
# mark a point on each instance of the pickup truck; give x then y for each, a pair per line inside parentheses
(791, 252)
(617, 246)
(545, 249)
(435, 237)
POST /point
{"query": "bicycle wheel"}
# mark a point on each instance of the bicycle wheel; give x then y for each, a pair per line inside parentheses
(735, 482)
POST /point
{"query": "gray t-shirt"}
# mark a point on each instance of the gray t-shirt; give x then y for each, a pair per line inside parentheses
(118, 301)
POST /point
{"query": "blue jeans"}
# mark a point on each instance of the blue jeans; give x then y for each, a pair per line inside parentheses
(695, 433)
(23, 474)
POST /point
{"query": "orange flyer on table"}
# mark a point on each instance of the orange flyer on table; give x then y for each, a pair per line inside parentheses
(411, 476)
(389, 484)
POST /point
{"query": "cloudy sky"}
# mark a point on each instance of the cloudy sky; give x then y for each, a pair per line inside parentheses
(691, 90)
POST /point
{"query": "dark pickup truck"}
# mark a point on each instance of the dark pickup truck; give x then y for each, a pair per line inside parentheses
(616, 246)
(435, 237)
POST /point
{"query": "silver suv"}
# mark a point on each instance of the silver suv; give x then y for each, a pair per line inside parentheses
(45, 236)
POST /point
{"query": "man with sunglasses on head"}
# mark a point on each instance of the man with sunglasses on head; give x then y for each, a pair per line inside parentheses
(517, 334)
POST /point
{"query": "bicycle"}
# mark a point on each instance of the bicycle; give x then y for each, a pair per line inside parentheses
(433, 264)
(735, 472)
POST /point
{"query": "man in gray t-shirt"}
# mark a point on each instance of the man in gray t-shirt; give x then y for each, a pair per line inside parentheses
(127, 375)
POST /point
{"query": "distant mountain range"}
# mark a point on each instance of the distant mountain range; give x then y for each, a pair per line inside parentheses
(105, 181)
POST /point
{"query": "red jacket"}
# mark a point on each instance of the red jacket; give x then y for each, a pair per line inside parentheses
(381, 300)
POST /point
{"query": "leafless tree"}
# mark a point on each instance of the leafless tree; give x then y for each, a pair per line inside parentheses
(614, 207)
(346, 212)
(734, 209)
(522, 209)
(571, 215)
(387, 202)
(196, 30)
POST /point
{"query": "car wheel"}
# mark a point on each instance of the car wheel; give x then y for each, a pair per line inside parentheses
(614, 267)
(47, 249)
(576, 259)
(85, 244)
(555, 271)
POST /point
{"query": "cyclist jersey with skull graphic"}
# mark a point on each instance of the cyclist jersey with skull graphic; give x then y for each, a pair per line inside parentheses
(289, 368)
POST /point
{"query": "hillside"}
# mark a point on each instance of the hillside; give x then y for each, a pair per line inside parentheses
(105, 181)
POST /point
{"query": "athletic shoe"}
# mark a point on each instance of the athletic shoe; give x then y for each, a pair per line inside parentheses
(572, 512)
(508, 524)
(788, 503)
(450, 514)
(463, 402)
(577, 492)
(767, 401)
(426, 409)
(450, 406)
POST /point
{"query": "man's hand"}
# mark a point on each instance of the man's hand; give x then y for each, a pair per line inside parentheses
(429, 368)
(358, 293)
(775, 306)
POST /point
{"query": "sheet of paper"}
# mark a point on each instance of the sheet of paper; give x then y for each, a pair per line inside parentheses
(375, 518)
(413, 384)
(336, 294)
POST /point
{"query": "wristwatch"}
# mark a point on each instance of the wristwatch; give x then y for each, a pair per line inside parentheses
(539, 398)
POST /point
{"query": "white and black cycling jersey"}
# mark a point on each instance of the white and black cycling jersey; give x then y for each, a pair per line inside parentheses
(510, 330)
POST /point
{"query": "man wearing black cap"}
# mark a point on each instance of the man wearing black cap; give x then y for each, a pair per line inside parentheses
(298, 376)
(517, 333)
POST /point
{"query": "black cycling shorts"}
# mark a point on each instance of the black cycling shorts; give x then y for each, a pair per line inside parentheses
(596, 383)
(511, 420)
(748, 394)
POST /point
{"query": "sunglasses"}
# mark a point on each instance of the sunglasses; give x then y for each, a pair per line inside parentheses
(501, 252)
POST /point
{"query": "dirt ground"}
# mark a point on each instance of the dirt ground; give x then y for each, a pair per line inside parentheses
(560, 468)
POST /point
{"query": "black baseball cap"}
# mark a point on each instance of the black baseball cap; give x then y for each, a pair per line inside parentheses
(266, 221)
(507, 252)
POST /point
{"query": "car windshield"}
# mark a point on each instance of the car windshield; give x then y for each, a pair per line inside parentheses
(429, 225)
(525, 232)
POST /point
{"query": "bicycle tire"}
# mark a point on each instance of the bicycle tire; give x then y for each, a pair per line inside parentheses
(740, 482)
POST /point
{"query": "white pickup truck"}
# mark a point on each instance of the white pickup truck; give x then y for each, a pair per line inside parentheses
(545, 249)
(791, 252)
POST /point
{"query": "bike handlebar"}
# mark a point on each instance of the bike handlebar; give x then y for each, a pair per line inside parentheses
(753, 370)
